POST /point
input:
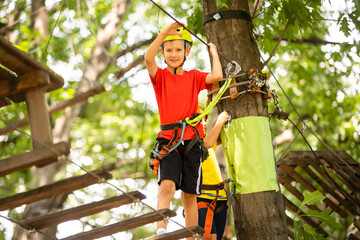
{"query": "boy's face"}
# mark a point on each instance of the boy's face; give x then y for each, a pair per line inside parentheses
(174, 52)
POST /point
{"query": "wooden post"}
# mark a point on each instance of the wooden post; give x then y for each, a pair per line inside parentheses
(38, 115)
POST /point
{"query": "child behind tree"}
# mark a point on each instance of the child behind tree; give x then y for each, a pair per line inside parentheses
(212, 208)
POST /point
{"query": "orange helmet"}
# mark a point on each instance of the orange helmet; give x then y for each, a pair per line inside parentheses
(200, 109)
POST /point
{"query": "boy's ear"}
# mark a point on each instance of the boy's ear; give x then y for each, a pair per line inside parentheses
(162, 52)
(187, 52)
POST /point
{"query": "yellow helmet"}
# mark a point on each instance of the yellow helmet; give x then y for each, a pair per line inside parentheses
(185, 35)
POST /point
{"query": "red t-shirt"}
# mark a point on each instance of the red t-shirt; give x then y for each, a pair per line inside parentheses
(177, 98)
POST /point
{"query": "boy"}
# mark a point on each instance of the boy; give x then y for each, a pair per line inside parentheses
(212, 208)
(176, 93)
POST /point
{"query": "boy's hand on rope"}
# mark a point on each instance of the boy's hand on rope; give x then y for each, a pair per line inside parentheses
(212, 48)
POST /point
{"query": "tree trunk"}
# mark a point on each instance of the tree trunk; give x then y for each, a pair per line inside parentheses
(259, 215)
(39, 19)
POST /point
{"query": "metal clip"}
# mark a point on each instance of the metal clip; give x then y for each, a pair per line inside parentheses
(229, 66)
(228, 122)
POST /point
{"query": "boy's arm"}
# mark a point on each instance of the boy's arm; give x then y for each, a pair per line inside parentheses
(216, 73)
(151, 53)
(211, 138)
(155, 45)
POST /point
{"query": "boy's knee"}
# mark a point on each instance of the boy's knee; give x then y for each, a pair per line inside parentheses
(188, 196)
(167, 187)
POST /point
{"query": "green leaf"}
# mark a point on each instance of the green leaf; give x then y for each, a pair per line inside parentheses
(299, 232)
(311, 234)
(325, 217)
(344, 26)
(312, 198)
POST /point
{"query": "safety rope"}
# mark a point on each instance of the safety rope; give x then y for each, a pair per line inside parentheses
(197, 119)
(230, 72)
(28, 228)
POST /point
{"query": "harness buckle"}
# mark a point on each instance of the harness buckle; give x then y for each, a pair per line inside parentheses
(152, 156)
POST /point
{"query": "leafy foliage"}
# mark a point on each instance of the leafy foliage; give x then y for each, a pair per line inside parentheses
(321, 82)
(304, 231)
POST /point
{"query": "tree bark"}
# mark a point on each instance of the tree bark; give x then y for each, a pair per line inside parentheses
(258, 215)
(39, 19)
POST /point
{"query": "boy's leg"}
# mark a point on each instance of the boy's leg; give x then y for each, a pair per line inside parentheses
(191, 183)
(202, 212)
(166, 193)
(191, 211)
(220, 219)
(168, 179)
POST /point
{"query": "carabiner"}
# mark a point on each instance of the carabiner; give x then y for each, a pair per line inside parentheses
(228, 121)
(233, 73)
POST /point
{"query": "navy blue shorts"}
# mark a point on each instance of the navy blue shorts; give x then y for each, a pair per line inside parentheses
(185, 171)
(219, 218)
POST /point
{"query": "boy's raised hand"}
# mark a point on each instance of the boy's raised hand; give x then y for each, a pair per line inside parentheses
(155, 45)
(172, 29)
(212, 48)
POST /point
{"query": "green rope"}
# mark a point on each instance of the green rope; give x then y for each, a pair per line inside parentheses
(197, 119)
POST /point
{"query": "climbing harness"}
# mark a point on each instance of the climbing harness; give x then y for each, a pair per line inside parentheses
(155, 155)
(218, 187)
(209, 216)
(211, 206)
